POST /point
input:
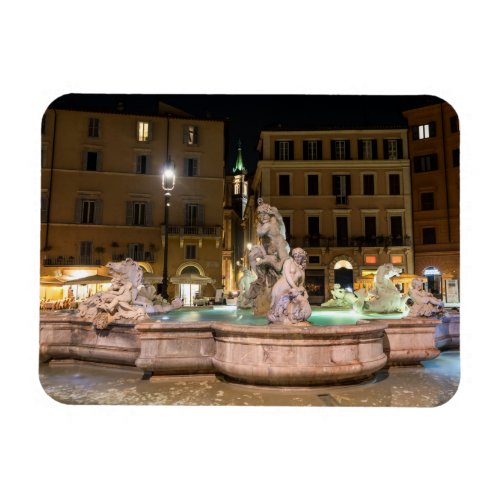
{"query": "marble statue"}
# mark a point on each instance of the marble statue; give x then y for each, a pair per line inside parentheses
(128, 297)
(244, 286)
(267, 259)
(385, 296)
(424, 303)
(341, 298)
(289, 304)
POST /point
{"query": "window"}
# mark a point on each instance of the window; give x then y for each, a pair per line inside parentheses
(397, 259)
(342, 232)
(393, 149)
(138, 213)
(370, 260)
(92, 161)
(428, 235)
(190, 252)
(425, 163)
(44, 207)
(283, 150)
(93, 130)
(44, 124)
(312, 185)
(142, 164)
(287, 222)
(394, 184)
(190, 135)
(427, 201)
(367, 149)
(284, 184)
(85, 252)
(454, 126)
(368, 184)
(144, 130)
(194, 214)
(191, 167)
(370, 229)
(341, 150)
(314, 259)
(313, 230)
(456, 157)
(88, 211)
(312, 150)
(396, 229)
(424, 131)
(135, 251)
(341, 188)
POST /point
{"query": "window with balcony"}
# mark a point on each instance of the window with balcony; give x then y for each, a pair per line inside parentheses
(313, 231)
(144, 131)
(284, 184)
(194, 215)
(368, 184)
(427, 201)
(342, 234)
(283, 150)
(191, 135)
(312, 150)
(396, 222)
(86, 252)
(191, 167)
(341, 150)
(394, 184)
(370, 229)
(424, 131)
(93, 128)
(135, 251)
(313, 185)
(425, 163)
(142, 164)
(429, 235)
(341, 188)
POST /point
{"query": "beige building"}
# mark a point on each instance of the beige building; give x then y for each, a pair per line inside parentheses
(434, 151)
(345, 197)
(102, 198)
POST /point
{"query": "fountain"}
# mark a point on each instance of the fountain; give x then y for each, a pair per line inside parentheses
(282, 346)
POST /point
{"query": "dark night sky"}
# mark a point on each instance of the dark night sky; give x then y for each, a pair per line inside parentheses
(246, 115)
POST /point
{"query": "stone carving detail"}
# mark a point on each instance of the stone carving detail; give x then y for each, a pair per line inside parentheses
(128, 297)
(384, 297)
(289, 303)
(424, 303)
(244, 286)
(341, 298)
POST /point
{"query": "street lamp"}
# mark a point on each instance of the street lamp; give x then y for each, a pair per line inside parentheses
(167, 183)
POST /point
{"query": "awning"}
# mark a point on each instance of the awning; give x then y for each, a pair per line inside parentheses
(51, 281)
(191, 279)
(151, 278)
(95, 279)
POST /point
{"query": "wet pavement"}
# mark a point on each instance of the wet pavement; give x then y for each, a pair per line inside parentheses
(72, 382)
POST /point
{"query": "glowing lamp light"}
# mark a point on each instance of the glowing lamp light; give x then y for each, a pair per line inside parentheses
(168, 177)
(249, 246)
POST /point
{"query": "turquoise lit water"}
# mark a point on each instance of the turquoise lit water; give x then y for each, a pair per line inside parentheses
(231, 314)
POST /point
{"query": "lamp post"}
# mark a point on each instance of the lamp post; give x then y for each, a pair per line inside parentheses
(167, 183)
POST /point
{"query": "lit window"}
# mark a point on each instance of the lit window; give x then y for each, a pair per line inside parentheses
(370, 259)
(396, 259)
(143, 131)
(424, 131)
(190, 135)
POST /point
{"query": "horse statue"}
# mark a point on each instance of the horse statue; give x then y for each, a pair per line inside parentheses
(384, 297)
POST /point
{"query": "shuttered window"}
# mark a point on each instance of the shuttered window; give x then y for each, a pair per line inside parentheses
(139, 213)
(341, 188)
(190, 167)
(367, 149)
(368, 184)
(312, 150)
(283, 150)
(394, 184)
(341, 149)
(284, 184)
(93, 129)
(88, 211)
(424, 131)
(425, 163)
(144, 131)
(393, 149)
(191, 135)
(142, 164)
(194, 215)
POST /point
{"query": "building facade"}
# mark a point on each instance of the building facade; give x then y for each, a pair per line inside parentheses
(345, 197)
(102, 197)
(434, 151)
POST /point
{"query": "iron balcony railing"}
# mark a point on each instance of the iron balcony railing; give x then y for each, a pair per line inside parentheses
(97, 261)
(360, 241)
(210, 231)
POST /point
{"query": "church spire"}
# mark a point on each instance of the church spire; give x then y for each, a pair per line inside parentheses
(239, 168)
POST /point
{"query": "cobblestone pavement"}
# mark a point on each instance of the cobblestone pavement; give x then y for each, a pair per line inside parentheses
(432, 384)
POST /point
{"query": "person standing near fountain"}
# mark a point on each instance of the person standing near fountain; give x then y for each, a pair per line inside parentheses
(289, 303)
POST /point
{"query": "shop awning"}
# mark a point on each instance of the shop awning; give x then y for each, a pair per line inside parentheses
(151, 278)
(95, 279)
(51, 281)
(191, 279)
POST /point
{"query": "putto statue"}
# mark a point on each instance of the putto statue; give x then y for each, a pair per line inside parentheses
(341, 298)
(267, 259)
(424, 303)
(289, 297)
(244, 286)
(384, 297)
(128, 297)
